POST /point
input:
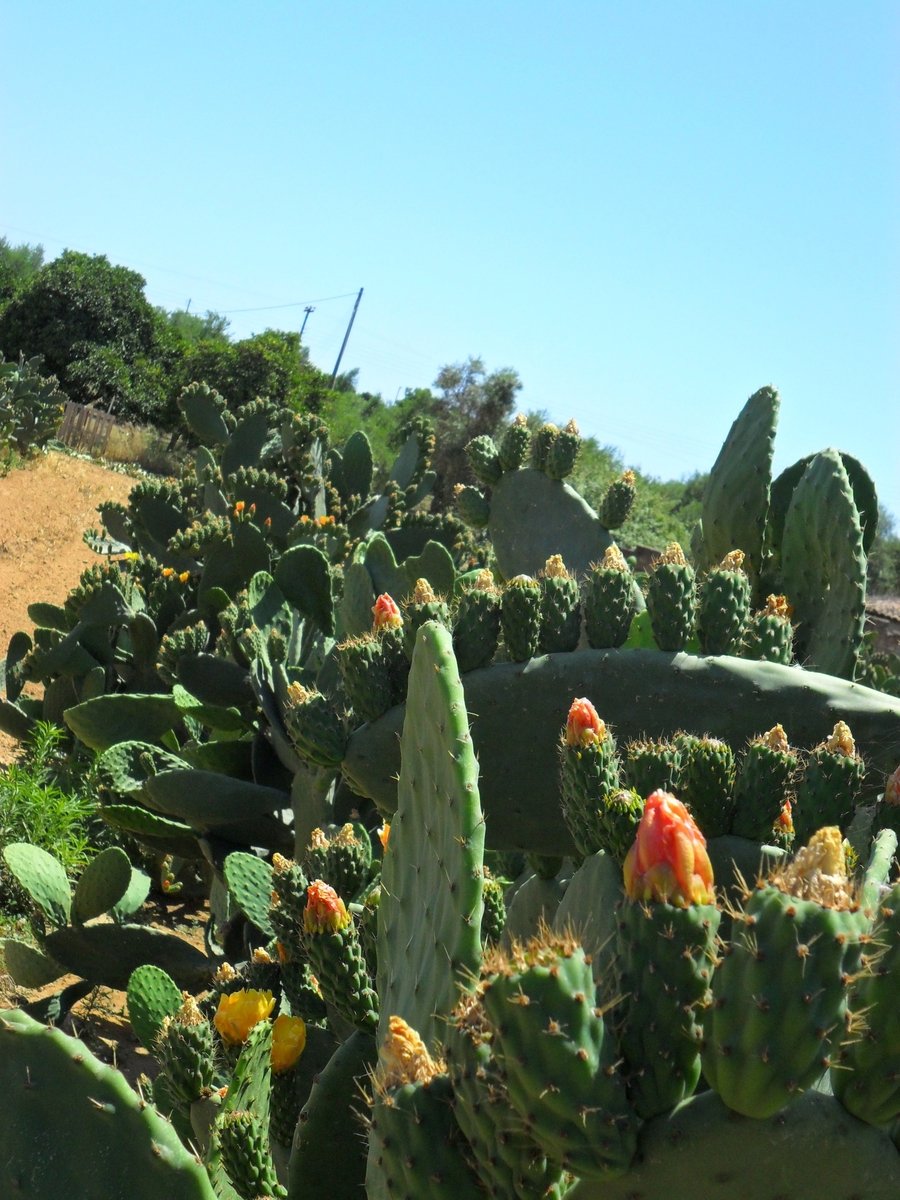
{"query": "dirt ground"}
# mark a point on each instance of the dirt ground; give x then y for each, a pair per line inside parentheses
(46, 506)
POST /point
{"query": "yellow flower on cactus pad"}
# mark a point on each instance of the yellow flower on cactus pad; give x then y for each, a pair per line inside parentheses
(239, 1011)
(668, 861)
(288, 1041)
(583, 724)
(386, 614)
(325, 911)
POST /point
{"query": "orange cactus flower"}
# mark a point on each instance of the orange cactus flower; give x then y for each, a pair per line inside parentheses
(583, 724)
(239, 508)
(325, 911)
(384, 833)
(668, 861)
(184, 577)
(386, 613)
(288, 1041)
(239, 1011)
(168, 572)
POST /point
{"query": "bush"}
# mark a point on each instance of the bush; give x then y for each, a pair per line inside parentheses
(39, 804)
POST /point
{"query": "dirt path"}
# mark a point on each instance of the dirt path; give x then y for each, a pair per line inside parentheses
(45, 507)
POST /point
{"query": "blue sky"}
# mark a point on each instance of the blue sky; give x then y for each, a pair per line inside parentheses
(649, 209)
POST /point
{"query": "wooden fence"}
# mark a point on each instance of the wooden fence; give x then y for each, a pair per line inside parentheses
(85, 428)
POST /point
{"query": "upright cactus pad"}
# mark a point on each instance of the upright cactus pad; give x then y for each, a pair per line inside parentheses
(766, 777)
(70, 1122)
(736, 498)
(558, 1056)
(792, 954)
(429, 932)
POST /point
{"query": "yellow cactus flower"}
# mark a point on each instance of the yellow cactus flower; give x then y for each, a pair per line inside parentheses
(240, 1011)
(288, 1041)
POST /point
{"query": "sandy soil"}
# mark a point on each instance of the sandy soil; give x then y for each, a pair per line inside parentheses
(46, 506)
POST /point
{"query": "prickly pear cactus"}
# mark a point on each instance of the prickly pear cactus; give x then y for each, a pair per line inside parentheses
(71, 1122)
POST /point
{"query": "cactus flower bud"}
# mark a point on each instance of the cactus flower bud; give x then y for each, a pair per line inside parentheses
(325, 911)
(386, 613)
(384, 833)
(668, 861)
(239, 1011)
(583, 724)
(288, 1041)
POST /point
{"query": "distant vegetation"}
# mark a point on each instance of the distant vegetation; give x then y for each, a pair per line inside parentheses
(97, 333)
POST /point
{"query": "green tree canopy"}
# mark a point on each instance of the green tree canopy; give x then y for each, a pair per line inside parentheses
(18, 265)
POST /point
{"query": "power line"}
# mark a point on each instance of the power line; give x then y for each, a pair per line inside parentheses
(293, 304)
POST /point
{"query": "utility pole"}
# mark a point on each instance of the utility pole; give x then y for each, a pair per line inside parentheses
(346, 336)
(309, 309)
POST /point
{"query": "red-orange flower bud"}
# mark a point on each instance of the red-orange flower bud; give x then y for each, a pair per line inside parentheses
(325, 911)
(386, 613)
(583, 724)
(668, 861)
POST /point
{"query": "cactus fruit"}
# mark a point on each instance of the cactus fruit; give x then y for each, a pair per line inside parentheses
(666, 935)
(670, 599)
(336, 957)
(793, 952)
(244, 1146)
(520, 617)
(723, 606)
(765, 780)
(542, 443)
(484, 459)
(610, 603)
(340, 857)
(832, 780)
(769, 634)
(476, 623)
(185, 1048)
(588, 770)
(515, 444)
(652, 766)
(472, 505)
(314, 726)
(560, 608)
(707, 784)
(421, 606)
(563, 453)
(618, 501)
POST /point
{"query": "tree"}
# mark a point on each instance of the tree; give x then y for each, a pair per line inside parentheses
(18, 265)
(194, 327)
(77, 302)
(470, 403)
(268, 364)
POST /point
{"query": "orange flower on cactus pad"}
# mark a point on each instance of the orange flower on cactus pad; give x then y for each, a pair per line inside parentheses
(288, 1041)
(325, 911)
(386, 613)
(583, 724)
(668, 861)
(239, 1011)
